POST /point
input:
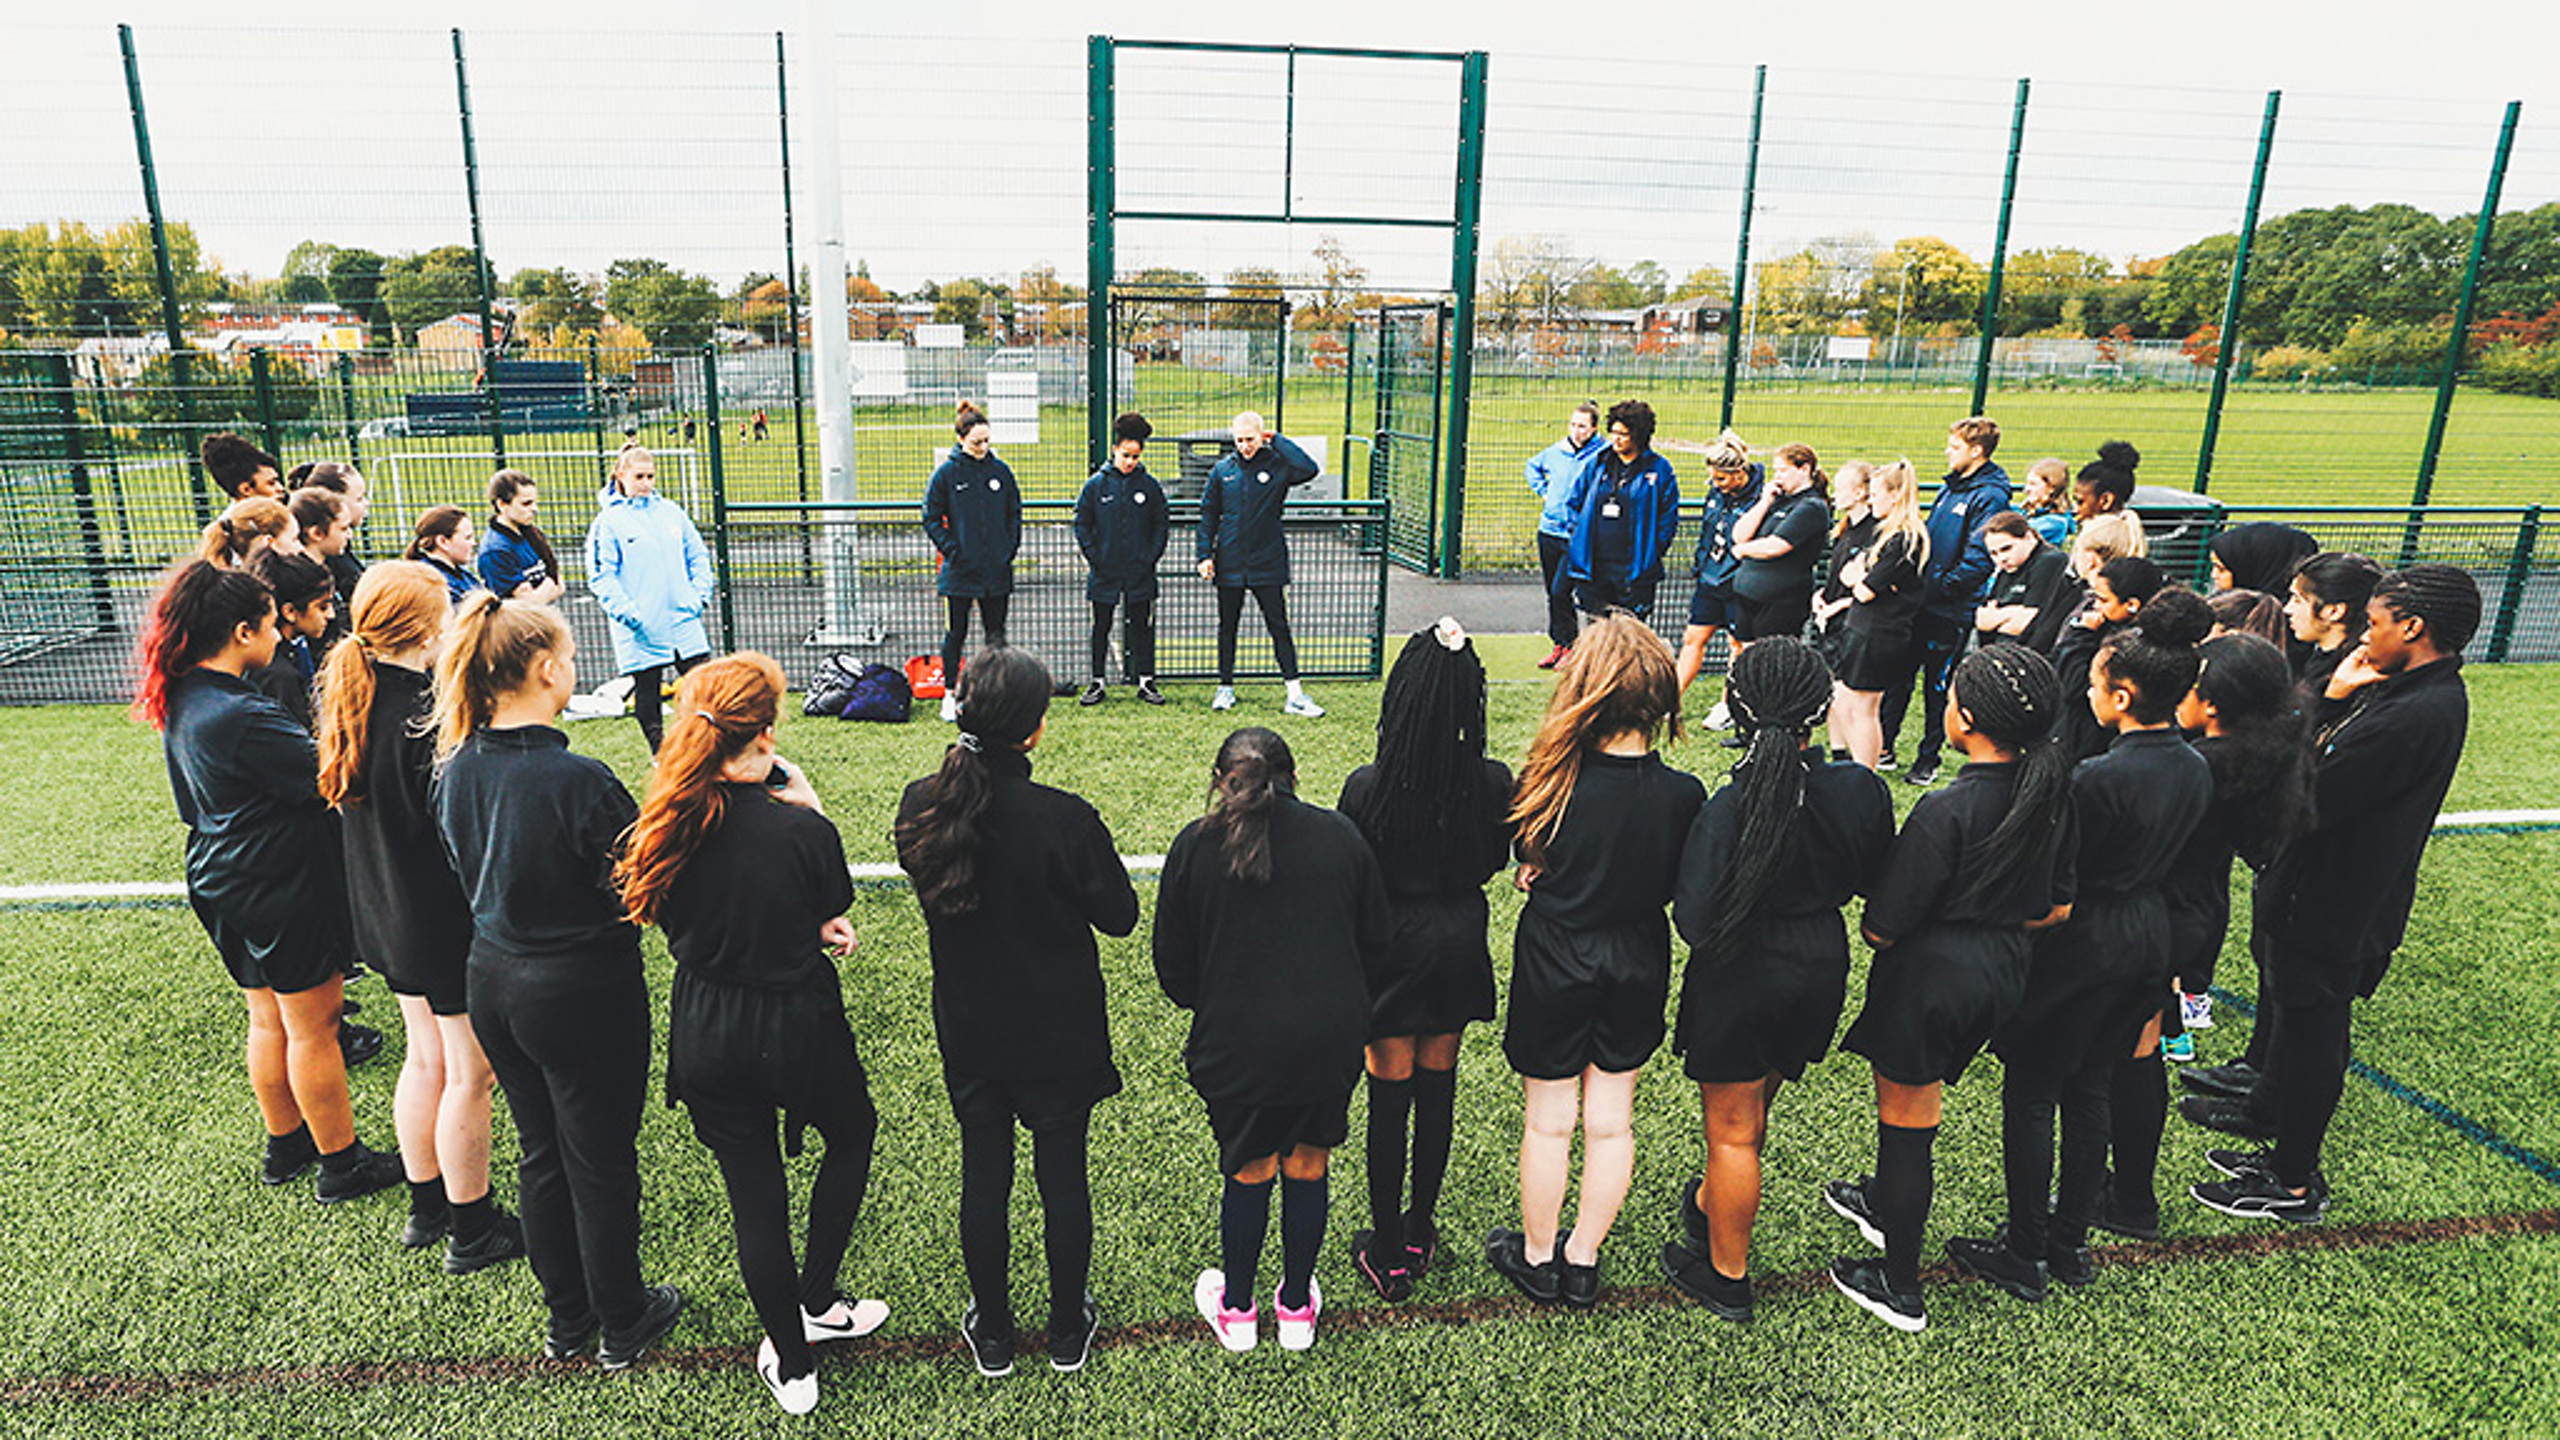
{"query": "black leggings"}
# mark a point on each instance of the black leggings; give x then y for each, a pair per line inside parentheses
(1137, 640)
(2307, 1073)
(2028, 1100)
(760, 1212)
(955, 629)
(1274, 600)
(648, 704)
(1066, 1215)
(1562, 625)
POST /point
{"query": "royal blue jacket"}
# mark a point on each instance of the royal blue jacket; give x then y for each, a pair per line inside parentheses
(1959, 561)
(1652, 495)
(651, 576)
(1240, 513)
(973, 515)
(1121, 526)
(508, 561)
(1716, 562)
(1551, 473)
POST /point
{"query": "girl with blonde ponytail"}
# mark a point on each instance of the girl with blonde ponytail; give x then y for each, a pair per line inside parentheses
(733, 859)
(411, 918)
(557, 995)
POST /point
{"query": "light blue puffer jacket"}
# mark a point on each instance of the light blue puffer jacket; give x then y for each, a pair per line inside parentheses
(651, 575)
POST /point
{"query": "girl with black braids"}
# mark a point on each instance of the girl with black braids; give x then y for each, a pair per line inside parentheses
(1014, 878)
(1271, 929)
(1769, 861)
(1432, 808)
(1978, 865)
(2094, 988)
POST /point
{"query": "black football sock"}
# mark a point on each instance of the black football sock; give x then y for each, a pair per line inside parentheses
(1244, 1217)
(1390, 1103)
(1901, 1198)
(1303, 1204)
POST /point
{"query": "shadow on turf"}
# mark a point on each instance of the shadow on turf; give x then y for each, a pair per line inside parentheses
(2380, 1234)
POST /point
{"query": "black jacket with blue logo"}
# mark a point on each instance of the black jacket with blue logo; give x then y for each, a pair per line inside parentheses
(973, 515)
(1121, 526)
(1240, 513)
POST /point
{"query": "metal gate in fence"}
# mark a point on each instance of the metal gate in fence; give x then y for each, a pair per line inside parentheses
(1404, 460)
(1191, 364)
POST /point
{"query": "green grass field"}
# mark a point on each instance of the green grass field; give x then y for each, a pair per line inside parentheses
(149, 1286)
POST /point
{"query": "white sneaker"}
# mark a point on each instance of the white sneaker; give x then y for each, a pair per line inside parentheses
(1720, 718)
(1298, 1327)
(796, 1397)
(1235, 1329)
(2196, 1011)
(1225, 699)
(844, 1320)
(1301, 704)
(950, 709)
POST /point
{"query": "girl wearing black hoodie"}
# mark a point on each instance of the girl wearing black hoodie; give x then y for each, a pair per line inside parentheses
(973, 516)
(1014, 878)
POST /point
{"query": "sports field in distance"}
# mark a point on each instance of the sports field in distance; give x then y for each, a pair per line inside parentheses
(149, 1285)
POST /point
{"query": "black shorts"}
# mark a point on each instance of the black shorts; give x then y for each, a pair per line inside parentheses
(303, 953)
(1935, 998)
(1768, 619)
(1715, 605)
(1599, 597)
(1874, 664)
(738, 1056)
(2094, 981)
(1772, 1009)
(441, 988)
(1042, 1104)
(1585, 999)
(1438, 978)
(1248, 1133)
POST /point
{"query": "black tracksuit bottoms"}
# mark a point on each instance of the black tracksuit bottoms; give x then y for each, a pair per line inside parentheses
(1562, 624)
(1137, 640)
(955, 631)
(750, 1158)
(1274, 600)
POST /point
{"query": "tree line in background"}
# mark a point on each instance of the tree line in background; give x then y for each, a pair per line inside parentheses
(2346, 291)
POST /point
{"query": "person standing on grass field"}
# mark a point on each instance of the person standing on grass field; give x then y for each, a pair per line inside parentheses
(2260, 555)
(1121, 528)
(1884, 583)
(1778, 542)
(1014, 877)
(2387, 734)
(1551, 476)
(348, 484)
(1769, 861)
(443, 541)
(1853, 529)
(2105, 485)
(516, 560)
(1600, 820)
(306, 606)
(240, 468)
(2025, 600)
(2324, 608)
(1625, 505)
(2118, 590)
(973, 516)
(734, 859)
(1272, 926)
(264, 874)
(556, 992)
(1735, 487)
(651, 576)
(1974, 490)
(2095, 984)
(320, 519)
(247, 529)
(377, 768)
(2044, 501)
(1977, 866)
(1435, 801)
(1243, 549)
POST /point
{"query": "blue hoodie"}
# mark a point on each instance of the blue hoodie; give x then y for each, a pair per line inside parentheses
(1551, 473)
(1651, 494)
(973, 515)
(1959, 561)
(651, 576)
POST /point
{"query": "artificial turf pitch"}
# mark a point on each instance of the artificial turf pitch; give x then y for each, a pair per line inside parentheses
(149, 1286)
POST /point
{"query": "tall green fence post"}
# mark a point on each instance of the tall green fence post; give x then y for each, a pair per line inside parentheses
(595, 409)
(262, 384)
(1733, 326)
(1350, 368)
(2460, 339)
(1999, 255)
(353, 435)
(719, 497)
(1101, 204)
(2226, 341)
(181, 367)
(1462, 280)
(84, 503)
(2519, 573)
(489, 347)
(791, 293)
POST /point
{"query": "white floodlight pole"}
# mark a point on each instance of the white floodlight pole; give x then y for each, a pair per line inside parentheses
(830, 333)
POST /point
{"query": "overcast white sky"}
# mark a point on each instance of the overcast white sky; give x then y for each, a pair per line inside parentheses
(641, 127)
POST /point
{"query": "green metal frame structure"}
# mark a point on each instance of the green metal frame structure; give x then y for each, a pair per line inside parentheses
(1104, 214)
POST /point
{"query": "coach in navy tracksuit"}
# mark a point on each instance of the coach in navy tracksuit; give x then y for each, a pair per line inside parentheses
(973, 516)
(1243, 549)
(1974, 490)
(1121, 527)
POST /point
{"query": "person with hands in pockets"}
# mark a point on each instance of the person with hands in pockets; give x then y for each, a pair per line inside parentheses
(651, 575)
(1243, 550)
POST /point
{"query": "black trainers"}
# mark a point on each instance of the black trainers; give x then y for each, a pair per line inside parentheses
(2241, 1164)
(287, 1158)
(1694, 1275)
(422, 1231)
(1072, 1343)
(358, 1043)
(365, 1172)
(2231, 1117)
(1576, 1285)
(1507, 1252)
(1693, 1221)
(1922, 772)
(993, 1354)
(2263, 1197)
(1848, 1199)
(1148, 692)
(2114, 1218)
(1390, 1279)
(1093, 693)
(1862, 1280)
(621, 1352)
(1994, 1262)
(502, 1242)
(2229, 1082)
(568, 1342)
(2073, 1267)
(1421, 1244)
(1886, 761)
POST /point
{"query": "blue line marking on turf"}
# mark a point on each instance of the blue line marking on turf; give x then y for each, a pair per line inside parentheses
(2429, 1106)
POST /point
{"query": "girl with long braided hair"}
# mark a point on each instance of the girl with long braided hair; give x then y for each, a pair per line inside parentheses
(1769, 862)
(1978, 865)
(1432, 808)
